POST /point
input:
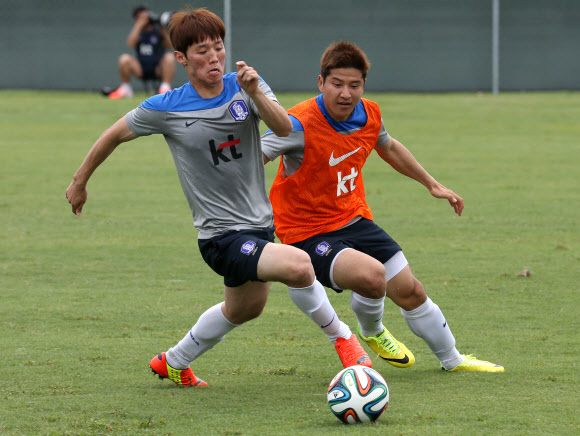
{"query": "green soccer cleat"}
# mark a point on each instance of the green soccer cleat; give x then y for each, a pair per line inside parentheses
(389, 349)
(470, 363)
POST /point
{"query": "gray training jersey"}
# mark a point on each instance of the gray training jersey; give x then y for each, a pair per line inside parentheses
(216, 149)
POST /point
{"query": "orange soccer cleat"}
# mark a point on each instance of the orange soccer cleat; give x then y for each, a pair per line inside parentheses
(351, 352)
(120, 92)
(181, 377)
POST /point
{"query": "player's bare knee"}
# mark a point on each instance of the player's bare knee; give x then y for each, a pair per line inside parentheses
(418, 295)
(408, 294)
(375, 285)
(400, 288)
(300, 271)
(124, 59)
(302, 276)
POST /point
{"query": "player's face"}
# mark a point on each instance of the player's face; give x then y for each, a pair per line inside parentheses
(342, 90)
(142, 19)
(205, 64)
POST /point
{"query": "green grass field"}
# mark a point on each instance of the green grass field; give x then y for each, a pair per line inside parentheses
(86, 302)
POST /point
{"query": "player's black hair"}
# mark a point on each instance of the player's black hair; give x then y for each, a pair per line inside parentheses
(138, 9)
(343, 54)
(193, 26)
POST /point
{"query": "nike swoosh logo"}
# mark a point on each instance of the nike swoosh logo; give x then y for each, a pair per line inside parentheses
(444, 324)
(403, 360)
(189, 124)
(335, 161)
(323, 326)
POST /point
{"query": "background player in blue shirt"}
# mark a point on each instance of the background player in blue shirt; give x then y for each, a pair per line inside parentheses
(151, 43)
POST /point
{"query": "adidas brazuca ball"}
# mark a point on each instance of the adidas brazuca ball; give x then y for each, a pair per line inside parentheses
(358, 394)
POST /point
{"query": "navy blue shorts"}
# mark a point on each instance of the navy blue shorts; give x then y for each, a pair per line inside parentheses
(149, 68)
(364, 236)
(235, 254)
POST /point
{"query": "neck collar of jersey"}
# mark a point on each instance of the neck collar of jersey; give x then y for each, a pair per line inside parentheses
(357, 120)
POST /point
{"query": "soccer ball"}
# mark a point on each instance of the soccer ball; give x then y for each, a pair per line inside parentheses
(358, 394)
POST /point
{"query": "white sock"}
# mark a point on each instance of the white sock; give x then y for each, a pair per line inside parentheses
(427, 322)
(165, 84)
(210, 328)
(314, 302)
(369, 313)
(126, 87)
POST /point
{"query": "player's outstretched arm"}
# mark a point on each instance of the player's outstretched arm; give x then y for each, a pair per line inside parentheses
(140, 22)
(166, 39)
(76, 193)
(401, 159)
(272, 113)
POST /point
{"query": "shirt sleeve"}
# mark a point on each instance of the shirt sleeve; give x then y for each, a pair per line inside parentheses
(383, 136)
(143, 121)
(274, 146)
(291, 147)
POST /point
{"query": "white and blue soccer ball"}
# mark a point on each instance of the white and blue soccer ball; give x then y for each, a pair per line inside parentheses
(358, 394)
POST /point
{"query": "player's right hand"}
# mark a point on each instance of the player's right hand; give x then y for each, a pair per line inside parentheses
(77, 197)
(248, 78)
(142, 19)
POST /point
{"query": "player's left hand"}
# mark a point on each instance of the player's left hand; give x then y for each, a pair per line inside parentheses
(455, 200)
(248, 78)
(77, 197)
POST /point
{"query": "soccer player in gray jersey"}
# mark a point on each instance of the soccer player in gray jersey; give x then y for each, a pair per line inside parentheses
(333, 134)
(211, 125)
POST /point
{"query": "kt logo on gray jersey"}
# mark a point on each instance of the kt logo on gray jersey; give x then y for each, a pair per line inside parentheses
(217, 153)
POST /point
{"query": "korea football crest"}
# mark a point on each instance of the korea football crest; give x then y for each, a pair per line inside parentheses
(249, 248)
(239, 110)
(323, 248)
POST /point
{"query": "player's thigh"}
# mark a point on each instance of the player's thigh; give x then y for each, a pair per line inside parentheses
(167, 61)
(135, 67)
(285, 264)
(245, 302)
(359, 272)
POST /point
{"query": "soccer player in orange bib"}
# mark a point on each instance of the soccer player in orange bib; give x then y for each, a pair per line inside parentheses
(319, 206)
